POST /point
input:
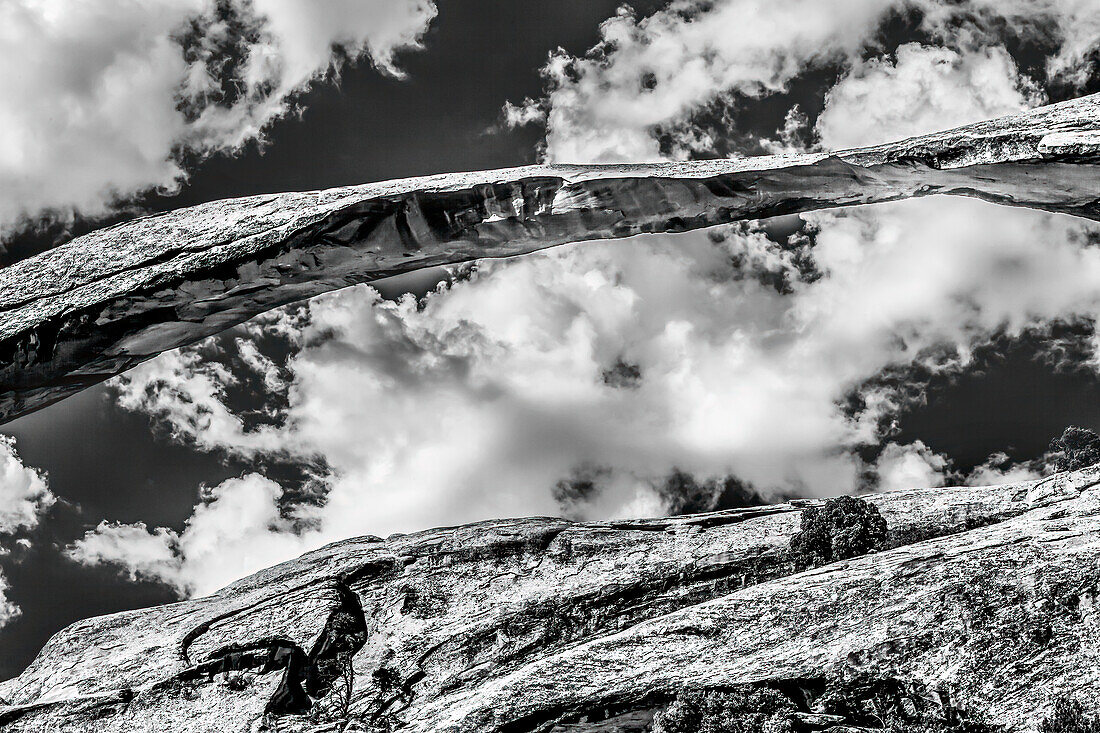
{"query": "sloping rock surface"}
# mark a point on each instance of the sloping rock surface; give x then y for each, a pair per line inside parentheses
(983, 597)
(92, 308)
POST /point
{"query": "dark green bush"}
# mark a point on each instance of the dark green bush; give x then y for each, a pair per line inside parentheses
(741, 710)
(1069, 716)
(1075, 448)
(844, 527)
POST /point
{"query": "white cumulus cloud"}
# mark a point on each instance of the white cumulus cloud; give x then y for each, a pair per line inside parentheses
(910, 466)
(24, 494)
(235, 531)
(98, 97)
(999, 469)
(24, 497)
(657, 69)
(921, 90)
(143, 553)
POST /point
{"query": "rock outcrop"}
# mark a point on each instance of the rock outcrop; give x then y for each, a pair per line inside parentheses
(94, 307)
(982, 600)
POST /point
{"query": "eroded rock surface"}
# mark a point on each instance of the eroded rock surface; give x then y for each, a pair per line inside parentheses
(984, 599)
(92, 308)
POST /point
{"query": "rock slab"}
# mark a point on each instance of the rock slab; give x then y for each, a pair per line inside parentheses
(983, 597)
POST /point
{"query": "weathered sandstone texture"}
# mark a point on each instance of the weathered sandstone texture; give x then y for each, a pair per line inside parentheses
(92, 308)
(984, 599)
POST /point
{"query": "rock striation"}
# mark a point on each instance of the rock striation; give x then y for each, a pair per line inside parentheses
(982, 599)
(87, 310)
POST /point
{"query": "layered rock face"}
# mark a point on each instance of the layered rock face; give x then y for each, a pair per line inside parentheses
(92, 308)
(982, 600)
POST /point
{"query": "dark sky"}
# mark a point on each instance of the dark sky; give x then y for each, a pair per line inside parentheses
(104, 463)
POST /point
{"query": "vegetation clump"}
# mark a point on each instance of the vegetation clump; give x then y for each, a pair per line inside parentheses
(1075, 448)
(738, 710)
(894, 706)
(1069, 716)
(843, 528)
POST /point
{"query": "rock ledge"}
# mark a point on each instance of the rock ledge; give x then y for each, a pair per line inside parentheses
(984, 599)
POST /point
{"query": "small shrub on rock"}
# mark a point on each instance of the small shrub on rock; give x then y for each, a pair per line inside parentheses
(742, 710)
(1069, 716)
(1075, 448)
(844, 527)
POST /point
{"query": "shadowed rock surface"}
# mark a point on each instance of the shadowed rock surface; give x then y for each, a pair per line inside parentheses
(95, 307)
(982, 599)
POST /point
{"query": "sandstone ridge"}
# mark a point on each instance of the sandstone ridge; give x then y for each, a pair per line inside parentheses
(983, 599)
